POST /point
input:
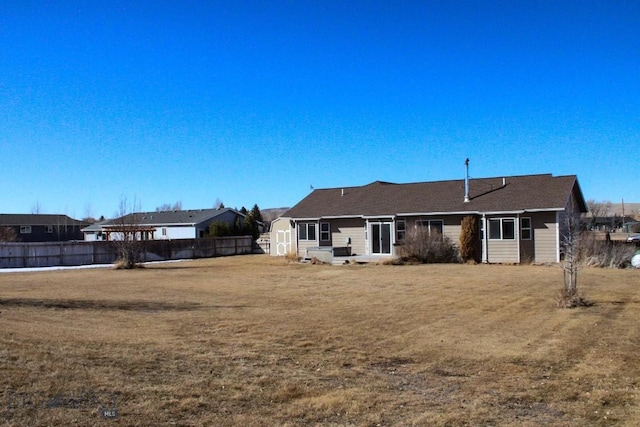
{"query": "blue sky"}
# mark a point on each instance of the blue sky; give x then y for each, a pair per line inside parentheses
(252, 102)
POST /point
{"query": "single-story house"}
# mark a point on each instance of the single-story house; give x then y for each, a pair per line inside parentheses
(520, 218)
(43, 227)
(165, 225)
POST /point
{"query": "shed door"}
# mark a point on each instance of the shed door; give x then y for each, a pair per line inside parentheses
(283, 242)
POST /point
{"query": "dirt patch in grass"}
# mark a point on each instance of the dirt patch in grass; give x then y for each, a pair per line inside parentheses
(79, 304)
(259, 341)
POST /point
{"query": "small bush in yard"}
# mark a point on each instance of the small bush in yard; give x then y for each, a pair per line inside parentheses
(568, 299)
(291, 256)
(424, 247)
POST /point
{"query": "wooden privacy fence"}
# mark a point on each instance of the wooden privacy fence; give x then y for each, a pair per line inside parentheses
(50, 254)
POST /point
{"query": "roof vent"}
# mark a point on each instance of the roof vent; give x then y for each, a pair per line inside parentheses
(466, 181)
(341, 192)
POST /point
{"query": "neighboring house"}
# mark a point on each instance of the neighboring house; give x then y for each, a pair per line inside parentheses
(520, 218)
(43, 227)
(188, 224)
(607, 223)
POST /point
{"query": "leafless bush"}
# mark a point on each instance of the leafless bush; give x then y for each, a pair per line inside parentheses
(571, 299)
(8, 234)
(127, 235)
(602, 253)
(291, 256)
(424, 247)
(120, 264)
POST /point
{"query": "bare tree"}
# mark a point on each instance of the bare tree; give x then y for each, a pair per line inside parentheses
(598, 209)
(8, 234)
(126, 233)
(218, 204)
(36, 208)
(569, 296)
(166, 207)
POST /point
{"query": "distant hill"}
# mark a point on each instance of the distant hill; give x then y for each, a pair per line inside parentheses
(270, 214)
(630, 209)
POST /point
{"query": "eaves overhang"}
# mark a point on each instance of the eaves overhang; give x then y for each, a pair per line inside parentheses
(433, 213)
(156, 224)
(438, 213)
(479, 212)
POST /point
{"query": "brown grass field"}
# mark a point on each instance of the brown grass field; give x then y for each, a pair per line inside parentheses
(258, 341)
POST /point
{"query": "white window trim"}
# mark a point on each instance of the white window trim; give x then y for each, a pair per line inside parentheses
(403, 230)
(427, 223)
(502, 219)
(25, 229)
(48, 229)
(522, 228)
(306, 227)
(327, 232)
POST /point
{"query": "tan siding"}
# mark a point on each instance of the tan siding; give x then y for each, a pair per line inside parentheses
(452, 228)
(503, 251)
(545, 236)
(341, 229)
(303, 245)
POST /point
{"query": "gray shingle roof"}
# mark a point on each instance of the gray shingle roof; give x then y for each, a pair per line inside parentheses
(186, 217)
(38, 219)
(527, 192)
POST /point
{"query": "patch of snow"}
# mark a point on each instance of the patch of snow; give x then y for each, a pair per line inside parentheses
(74, 267)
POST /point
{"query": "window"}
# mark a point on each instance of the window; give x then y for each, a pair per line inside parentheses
(401, 230)
(25, 229)
(48, 229)
(164, 231)
(525, 227)
(307, 231)
(494, 229)
(434, 226)
(325, 231)
(502, 229)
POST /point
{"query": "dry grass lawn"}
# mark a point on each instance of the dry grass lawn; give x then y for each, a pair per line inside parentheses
(257, 341)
